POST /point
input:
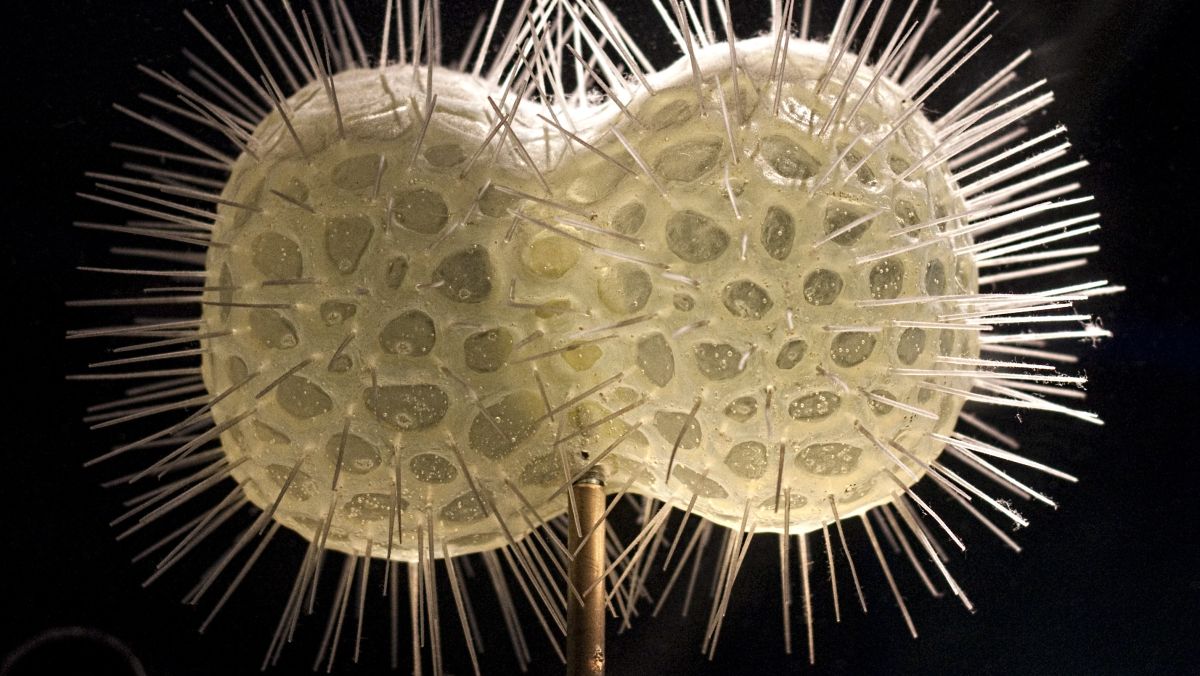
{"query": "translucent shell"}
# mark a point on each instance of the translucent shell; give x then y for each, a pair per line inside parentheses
(429, 333)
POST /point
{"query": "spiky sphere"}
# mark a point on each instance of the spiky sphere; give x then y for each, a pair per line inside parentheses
(757, 286)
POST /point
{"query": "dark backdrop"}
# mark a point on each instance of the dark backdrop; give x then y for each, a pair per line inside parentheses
(1108, 583)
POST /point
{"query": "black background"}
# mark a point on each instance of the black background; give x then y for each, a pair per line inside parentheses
(1108, 584)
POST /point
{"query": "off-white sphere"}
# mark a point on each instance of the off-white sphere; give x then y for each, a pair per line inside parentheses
(418, 305)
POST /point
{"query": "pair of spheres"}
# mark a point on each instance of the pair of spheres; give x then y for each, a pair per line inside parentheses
(435, 312)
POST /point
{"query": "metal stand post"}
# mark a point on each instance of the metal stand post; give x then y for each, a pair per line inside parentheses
(585, 623)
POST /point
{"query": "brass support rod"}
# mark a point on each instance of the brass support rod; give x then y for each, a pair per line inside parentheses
(585, 623)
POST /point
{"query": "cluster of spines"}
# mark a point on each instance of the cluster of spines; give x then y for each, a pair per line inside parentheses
(979, 137)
